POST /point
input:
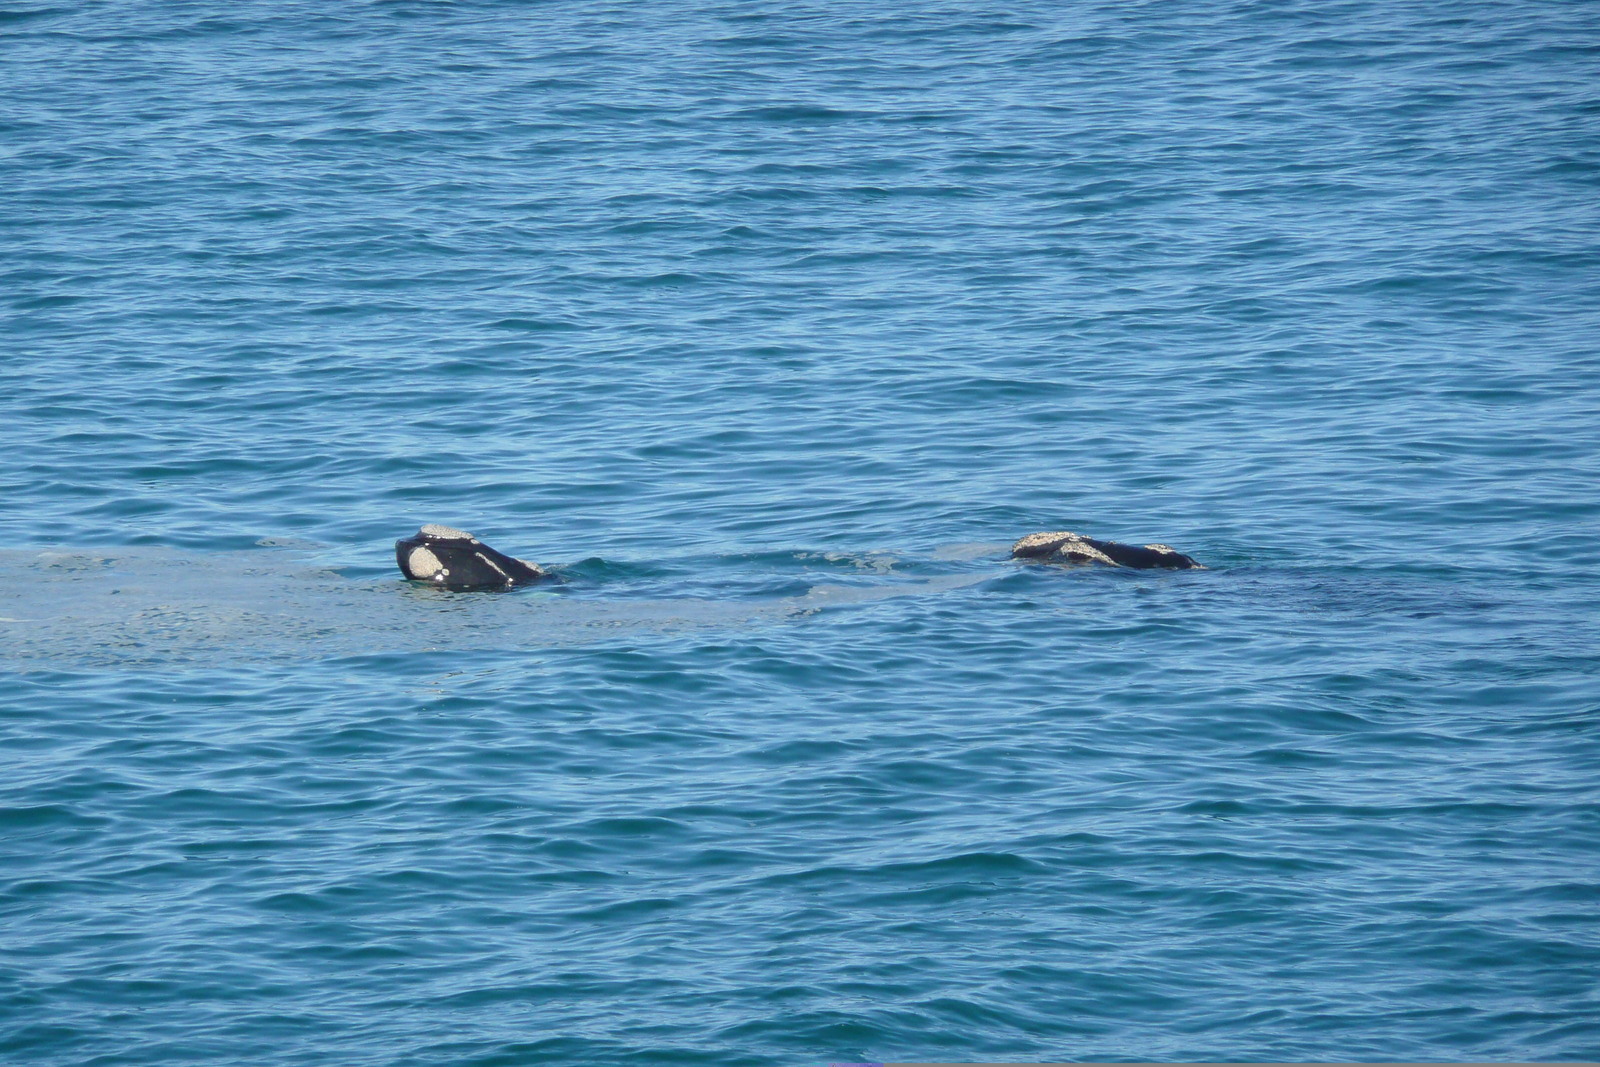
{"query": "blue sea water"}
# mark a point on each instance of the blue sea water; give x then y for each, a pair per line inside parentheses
(770, 326)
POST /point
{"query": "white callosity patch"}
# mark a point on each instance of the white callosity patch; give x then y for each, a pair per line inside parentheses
(1034, 542)
(423, 564)
(450, 533)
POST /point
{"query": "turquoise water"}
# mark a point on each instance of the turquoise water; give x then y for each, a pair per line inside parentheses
(770, 327)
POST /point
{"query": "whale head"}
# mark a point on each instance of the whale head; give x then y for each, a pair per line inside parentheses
(1064, 546)
(454, 559)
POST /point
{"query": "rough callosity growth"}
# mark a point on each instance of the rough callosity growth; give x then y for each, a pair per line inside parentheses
(1063, 546)
(454, 559)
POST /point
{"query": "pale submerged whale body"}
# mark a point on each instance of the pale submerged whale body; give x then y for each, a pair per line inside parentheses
(454, 559)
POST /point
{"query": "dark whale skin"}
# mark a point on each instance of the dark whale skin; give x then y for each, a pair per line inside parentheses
(1063, 546)
(454, 559)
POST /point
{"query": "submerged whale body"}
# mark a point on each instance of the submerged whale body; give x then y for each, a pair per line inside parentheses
(1063, 546)
(454, 559)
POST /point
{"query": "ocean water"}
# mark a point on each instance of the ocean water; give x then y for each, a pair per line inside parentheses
(769, 327)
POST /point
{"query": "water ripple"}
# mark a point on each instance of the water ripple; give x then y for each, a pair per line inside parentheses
(768, 329)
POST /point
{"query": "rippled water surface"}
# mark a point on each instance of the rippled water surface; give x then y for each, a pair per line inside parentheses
(770, 327)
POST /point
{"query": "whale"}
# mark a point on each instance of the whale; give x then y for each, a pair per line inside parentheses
(1066, 547)
(447, 558)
